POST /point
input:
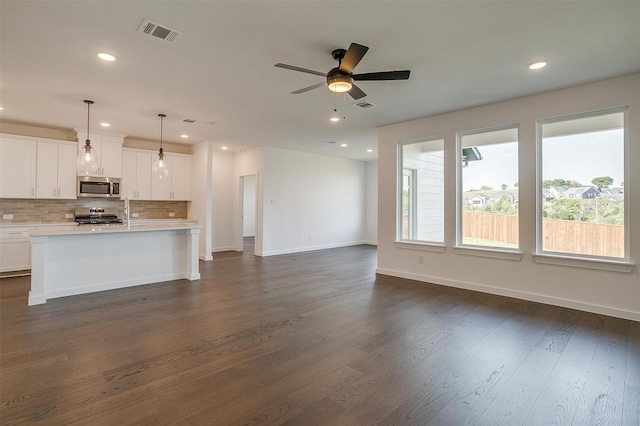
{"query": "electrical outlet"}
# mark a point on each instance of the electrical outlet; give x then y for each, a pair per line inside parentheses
(421, 259)
(7, 216)
(134, 214)
(172, 215)
(68, 215)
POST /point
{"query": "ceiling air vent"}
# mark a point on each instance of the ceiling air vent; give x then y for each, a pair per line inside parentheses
(189, 120)
(159, 31)
(363, 105)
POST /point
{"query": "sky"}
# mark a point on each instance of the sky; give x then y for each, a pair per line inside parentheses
(579, 157)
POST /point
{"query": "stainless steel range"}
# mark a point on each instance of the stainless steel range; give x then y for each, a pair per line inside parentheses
(97, 216)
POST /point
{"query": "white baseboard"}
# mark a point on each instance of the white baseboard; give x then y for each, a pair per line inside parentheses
(205, 257)
(533, 297)
(310, 248)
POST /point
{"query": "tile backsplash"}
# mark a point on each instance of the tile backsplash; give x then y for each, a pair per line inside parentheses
(54, 211)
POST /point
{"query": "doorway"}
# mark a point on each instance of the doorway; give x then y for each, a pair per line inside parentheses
(248, 200)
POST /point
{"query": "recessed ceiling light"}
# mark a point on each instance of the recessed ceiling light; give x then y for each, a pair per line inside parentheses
(538, 64)
(184, 136)
(106, 57)
(334, 119)
(1, 108)
(344, 145)
(103, 124)
(224, 147)
(369, 150)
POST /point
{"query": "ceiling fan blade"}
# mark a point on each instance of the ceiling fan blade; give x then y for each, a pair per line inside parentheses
(352, 57)
(356, 93)
(383, 75)
(306, 89)
(294, 68)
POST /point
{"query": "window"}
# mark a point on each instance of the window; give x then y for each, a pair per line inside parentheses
(581, 203)
(421, 205)
(488, 188)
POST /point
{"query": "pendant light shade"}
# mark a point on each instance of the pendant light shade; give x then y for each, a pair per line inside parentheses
(87, 162)
(160, 168)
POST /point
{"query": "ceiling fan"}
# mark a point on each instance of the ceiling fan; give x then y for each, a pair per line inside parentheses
(341, 78)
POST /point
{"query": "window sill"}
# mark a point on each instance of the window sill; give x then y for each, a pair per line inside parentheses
(492, 253)
(603, 265)
(422, 246)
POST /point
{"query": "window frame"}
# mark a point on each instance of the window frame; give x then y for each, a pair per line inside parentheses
(476, 250)
(415, 243)
(575, 259)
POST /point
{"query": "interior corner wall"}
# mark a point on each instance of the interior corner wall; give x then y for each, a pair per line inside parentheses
(249, 206)
(371, 200)
(605, 292)
(311, 201)
(222, 189)
(200, 206)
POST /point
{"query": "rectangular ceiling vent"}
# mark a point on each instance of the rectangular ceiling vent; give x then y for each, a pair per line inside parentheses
(363, 105)
(189, 120)
(159, 31)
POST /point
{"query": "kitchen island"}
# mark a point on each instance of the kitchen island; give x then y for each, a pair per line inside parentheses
(84, 259)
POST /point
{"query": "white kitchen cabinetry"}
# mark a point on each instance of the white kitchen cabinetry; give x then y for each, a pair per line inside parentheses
(17, 166)
(109, 149)
(136, 174)
(56, 169)
(178, 185)
(15, 251)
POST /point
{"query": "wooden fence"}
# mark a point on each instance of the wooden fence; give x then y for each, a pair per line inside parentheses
(596, 239)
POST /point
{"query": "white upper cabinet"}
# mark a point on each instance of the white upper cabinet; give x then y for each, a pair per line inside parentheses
(136, 174)
(178, 185)
(181, 177)
(56, 169)
(109, 149)
(17, 166)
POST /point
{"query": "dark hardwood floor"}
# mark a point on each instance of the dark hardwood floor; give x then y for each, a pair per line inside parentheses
(310, 339)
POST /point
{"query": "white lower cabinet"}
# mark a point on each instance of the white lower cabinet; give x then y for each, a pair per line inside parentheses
(15, 251)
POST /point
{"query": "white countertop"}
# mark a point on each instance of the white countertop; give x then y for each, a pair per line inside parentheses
(111, 229)
(28, 226)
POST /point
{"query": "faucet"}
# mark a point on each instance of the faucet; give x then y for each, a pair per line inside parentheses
(127, 210)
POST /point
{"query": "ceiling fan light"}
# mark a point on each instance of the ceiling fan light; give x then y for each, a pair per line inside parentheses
(340, 84)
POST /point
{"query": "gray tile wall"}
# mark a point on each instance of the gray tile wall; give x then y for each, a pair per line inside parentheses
(53, 211)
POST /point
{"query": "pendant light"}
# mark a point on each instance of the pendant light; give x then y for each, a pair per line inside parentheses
(87, 162)
(160, 167)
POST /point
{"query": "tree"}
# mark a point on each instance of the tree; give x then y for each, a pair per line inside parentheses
(566, 209)
(485, 188)
(504, 186)
(560, 182)
(602, 181)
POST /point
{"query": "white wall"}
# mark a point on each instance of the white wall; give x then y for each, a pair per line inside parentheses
(371, 203)
(311, 201)
(223, 184)
(200, 206)
(249, 206)
(612, 293)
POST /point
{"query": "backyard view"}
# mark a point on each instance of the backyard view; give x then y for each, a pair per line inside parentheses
(581, 188)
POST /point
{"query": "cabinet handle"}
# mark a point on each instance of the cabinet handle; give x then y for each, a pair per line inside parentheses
(33, 192)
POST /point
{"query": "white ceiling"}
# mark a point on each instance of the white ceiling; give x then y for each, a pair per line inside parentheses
(221, 69)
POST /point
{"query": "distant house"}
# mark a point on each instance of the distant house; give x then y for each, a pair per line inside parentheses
(507, 195)
(615, 193)
(553, 193)
(587, 192)
(476, 200)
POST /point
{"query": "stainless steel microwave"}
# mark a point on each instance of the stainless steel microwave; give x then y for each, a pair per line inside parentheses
(98, 187)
